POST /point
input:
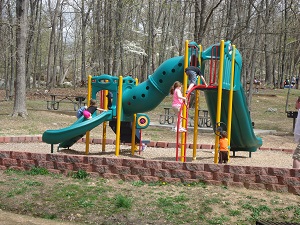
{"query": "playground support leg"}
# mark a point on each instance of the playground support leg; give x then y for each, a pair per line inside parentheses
(119, 106)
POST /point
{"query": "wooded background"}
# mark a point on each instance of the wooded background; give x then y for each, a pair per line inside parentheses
(46, 43)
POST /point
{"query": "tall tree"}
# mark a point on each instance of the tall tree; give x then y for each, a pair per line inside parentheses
(11, 71)
(51, 65)
(34, 10)
(37, 50)
(202, 18)
(150, 43)
(106, 43)
(268, 39)
(21, 40)
(84, 19)
(252, 57)
(117, 40)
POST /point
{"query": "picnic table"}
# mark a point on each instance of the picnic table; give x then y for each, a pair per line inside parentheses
(56, 99)
(292, 114)
(203, 119)
(168, 117)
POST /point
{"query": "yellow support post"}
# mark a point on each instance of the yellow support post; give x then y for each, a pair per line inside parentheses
(105, 102)
(196, 116)
(219, 99)
(133, 147)
(230, 101)
(133, 133)
(87, 134)
(186, 61)
(119, 111)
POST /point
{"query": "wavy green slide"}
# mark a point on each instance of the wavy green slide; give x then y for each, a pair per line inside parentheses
(69, 135)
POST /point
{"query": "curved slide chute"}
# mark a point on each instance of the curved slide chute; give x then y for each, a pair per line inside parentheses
(69, 135)
(242, 133)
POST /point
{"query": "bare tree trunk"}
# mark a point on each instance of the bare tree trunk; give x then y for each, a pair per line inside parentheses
(253, 61)
(98, 39)
(75, 53)
(202, 18)
(1, 17)
(9, 85)
(51, 61)
(37, 53)
(84, 19)
(21, 39)
(230, 20)
(269, 10)
(181, 39)
(32, 30)
(150, 37)
(165, 31)
(117, 40)
(284, 45)
(107, 52)
(61, 74)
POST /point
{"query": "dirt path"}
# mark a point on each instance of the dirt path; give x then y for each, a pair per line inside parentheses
(8, 218)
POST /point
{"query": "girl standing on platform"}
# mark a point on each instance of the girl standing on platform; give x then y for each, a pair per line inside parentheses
(178, 99)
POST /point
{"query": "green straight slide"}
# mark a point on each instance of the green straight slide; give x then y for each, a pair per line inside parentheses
(69, 135)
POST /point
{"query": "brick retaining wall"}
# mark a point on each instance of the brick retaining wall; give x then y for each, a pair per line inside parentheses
(273, 179)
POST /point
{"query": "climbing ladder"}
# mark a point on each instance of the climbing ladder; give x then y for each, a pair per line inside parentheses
(194, 55)
(179, 143)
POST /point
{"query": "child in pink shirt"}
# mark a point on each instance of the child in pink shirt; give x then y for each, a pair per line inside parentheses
(177, 101)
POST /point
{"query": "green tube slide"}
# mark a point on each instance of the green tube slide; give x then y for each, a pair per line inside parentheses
(149, 94)
(136, 99)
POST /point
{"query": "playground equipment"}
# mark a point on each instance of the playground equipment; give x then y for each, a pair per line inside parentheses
(120, 122)
(232, 108)
(131, 100)
(225, 98)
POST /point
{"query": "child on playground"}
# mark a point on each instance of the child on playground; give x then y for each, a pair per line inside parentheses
(193, 72)
(109, 99)
(80, 111)
(177, 101)
(91, 109)
(223, 149)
